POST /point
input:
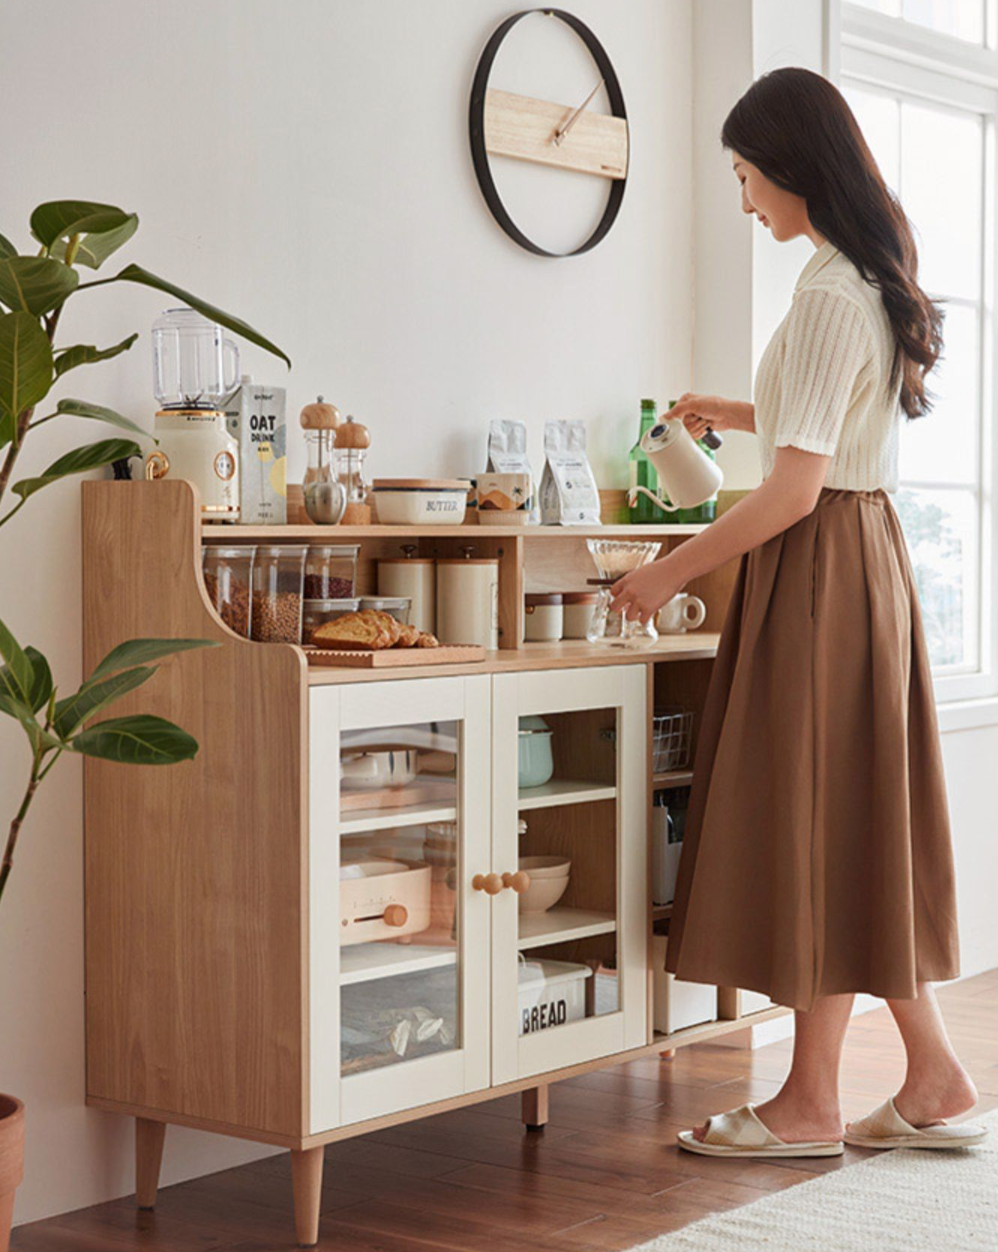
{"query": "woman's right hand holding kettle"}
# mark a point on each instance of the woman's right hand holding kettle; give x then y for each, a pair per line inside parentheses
(698, 412)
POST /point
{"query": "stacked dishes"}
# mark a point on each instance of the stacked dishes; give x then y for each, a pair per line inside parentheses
(548, 880)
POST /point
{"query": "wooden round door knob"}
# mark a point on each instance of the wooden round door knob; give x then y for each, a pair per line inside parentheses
(396, 915)
(519, 881)
(491, 884)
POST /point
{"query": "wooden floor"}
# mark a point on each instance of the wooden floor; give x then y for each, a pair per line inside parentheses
(604, 1175)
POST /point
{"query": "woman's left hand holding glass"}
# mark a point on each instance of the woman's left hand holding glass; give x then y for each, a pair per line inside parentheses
(640, 594)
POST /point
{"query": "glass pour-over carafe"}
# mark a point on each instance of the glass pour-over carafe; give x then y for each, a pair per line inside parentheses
(614, 558)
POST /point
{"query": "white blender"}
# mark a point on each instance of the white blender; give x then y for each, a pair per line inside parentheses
(195, 365)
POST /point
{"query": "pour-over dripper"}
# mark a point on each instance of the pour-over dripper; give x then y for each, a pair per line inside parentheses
(613, 559)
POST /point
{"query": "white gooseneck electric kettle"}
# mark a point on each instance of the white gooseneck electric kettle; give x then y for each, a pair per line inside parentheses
(685, 473)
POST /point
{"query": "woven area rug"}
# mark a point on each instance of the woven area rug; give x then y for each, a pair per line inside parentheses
(900, 1201)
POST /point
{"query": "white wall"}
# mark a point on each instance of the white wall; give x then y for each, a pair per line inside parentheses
(305, 164)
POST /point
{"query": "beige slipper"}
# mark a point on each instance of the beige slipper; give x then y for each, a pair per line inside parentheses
(886, 1128)
(740, 1133)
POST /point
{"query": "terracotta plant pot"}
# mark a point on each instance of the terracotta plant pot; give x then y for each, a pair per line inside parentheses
(11, 1161)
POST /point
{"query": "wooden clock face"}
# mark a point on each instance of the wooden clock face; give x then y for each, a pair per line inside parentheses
(548, 130)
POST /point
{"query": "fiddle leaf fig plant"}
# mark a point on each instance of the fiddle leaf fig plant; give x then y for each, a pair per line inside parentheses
(34, 289)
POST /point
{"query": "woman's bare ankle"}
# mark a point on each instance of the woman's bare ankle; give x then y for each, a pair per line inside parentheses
(936, 1094)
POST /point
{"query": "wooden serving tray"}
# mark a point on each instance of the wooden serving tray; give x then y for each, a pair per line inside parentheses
(391, 658)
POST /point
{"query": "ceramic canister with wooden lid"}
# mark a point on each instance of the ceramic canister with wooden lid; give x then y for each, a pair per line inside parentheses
(415, 577)
(468, 600)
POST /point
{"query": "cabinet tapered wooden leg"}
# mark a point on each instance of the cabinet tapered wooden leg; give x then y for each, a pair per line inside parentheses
(306, 1183)
(668, 1054)
(534, 1107)
(149, 1138)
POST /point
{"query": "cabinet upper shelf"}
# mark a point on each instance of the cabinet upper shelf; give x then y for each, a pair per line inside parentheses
(225, 532)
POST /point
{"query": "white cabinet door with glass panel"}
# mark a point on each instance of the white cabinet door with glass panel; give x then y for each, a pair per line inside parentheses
(569, 862)
(399, 797)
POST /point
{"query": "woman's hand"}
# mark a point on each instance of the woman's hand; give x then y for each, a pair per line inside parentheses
(640, 594)
(699, 412)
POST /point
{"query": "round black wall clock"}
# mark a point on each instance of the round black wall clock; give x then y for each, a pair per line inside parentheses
(564, 136)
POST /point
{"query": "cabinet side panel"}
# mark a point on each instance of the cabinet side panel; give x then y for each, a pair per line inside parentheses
(194, 914)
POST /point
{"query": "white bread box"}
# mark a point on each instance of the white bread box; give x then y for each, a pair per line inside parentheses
(551, 993)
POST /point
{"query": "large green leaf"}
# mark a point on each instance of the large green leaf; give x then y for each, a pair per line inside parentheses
(6, 247)
(139, 651)
(58, 219)
(94, 249)
(87, 354)
(97, 412)
(41, 688)
(38, 736)
(139, 740)
(74, 710)
(25, 368)
(17, 677)
(79, 461)
(136, 274)
(35, 284)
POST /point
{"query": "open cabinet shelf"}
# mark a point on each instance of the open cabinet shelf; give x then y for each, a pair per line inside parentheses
(558, 925)
(562, 791)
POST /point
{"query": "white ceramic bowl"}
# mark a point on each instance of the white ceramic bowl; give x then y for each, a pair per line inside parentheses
(548, 881)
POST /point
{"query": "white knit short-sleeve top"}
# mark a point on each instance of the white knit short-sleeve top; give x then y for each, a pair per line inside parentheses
(823, 383)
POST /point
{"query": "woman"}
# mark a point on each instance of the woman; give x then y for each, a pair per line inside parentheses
(817, 860)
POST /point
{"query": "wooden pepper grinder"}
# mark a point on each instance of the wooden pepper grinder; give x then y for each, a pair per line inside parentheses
(352, 442)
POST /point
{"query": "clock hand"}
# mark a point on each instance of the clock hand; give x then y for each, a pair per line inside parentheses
(566, 126)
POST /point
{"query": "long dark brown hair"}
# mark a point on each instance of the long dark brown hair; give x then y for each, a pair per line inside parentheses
(796, 128)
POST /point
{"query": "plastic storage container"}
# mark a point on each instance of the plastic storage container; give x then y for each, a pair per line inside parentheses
(315, 613)
(543, 619)
(228, 580)
(331, 571)
(398, 606)
(277, 593)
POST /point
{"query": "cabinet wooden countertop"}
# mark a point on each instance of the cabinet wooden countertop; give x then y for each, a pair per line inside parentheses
(568, 654)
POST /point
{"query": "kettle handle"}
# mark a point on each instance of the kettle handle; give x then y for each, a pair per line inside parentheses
(632, 499)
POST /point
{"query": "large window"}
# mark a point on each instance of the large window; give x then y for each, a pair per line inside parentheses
(971, 20)
(932, 130)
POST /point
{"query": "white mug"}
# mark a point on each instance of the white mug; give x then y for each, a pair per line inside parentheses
(682, 613)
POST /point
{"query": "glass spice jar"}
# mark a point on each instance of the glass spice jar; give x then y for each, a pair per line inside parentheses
(277, 593)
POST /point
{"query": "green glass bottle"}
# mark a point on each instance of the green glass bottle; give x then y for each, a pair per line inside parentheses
(642, 472)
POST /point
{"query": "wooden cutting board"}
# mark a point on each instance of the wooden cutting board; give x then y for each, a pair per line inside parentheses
(392, 658)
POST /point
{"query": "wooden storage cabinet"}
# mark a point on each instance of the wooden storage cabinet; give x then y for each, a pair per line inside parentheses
(220, 993)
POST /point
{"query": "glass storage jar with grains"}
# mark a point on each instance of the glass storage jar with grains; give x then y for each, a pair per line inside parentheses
(228, 582)
(277, 587)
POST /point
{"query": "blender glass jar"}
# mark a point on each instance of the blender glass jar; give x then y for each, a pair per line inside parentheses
(195, 364)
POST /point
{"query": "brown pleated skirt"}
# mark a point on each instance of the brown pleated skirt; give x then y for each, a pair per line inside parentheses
(817, 856)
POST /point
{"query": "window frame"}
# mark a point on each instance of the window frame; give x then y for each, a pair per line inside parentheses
(894, 55)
